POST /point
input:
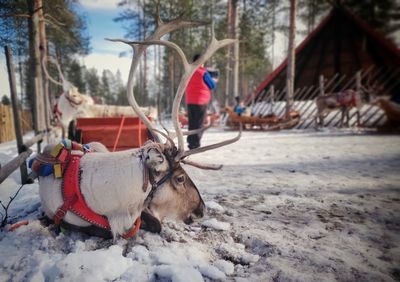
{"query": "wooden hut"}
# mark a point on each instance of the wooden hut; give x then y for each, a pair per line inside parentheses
(339, 47)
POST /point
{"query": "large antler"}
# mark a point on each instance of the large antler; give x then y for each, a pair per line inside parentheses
(189, 70)
(65, 83)
(161, 29)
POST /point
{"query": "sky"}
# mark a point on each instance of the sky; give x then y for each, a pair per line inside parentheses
(104, 54)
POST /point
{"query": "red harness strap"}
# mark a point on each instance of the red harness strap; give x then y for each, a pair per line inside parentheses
(346, 98)
(134, 229)
(75, 201)
(71, 190)
(56, 109)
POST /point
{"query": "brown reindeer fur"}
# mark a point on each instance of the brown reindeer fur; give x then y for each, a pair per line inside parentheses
(343, 101)
(392, 112)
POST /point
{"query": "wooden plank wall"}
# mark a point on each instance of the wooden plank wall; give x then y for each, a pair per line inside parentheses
(7, 132)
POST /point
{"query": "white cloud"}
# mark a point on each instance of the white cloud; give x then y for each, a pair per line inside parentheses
(99, 4)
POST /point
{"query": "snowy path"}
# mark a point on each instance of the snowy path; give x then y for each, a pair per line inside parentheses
(286, 206)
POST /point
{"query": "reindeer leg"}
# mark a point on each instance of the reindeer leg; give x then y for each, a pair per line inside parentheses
(342, 117)
(63, 131)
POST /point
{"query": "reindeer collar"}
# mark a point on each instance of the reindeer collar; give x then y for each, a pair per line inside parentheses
(72, 102)
(148, 176)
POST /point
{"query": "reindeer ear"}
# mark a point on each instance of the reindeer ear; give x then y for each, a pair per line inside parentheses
(155, 159)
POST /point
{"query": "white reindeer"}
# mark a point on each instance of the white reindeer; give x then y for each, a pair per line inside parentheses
(115, 185)
(72, 104)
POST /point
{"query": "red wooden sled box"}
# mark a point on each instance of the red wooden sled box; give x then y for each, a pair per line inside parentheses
(105, 130)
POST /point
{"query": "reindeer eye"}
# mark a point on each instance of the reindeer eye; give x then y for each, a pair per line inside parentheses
(180, 179)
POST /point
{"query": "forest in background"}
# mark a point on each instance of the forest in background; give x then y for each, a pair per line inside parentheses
(256, 24)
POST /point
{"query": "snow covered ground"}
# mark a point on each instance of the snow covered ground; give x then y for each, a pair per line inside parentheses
(287, 206)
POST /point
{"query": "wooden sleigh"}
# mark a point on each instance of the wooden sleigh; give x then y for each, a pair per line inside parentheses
(271, 122)
(211, 119)
(116, 133)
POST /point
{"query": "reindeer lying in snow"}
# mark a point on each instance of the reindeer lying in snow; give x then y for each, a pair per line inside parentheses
(118, 186)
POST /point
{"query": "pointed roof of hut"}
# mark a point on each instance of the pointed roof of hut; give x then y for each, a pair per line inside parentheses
(341, 44)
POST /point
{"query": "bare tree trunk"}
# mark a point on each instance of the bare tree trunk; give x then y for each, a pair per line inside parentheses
(159, 78)
(35, 69)
(273, 33)
(235, 9)
(43, 53)
(21, 77)
(291, 58)
(144, 58)
(228, 54)
(14, 103)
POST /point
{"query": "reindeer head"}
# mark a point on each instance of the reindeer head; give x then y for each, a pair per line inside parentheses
(73, 96)
(177, 196)
(69, 90)
(370, 91)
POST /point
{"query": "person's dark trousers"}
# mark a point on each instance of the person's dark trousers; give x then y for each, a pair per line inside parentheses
(196, 116)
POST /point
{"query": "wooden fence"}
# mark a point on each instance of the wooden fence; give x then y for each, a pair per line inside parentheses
(273, 101)
(7, 132)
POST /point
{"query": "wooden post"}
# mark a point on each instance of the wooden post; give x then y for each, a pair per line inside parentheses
(321, 85)
(358, 81)
(272, 89)
(291, 58)
(14, 102)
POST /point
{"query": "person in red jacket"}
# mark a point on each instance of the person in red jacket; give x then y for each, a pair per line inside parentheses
(198, 95)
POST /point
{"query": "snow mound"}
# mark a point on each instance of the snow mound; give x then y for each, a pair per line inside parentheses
(212, 272)
(226, 267)
(102, 264)
(217, 225)
(178, 274)
(214, 206)
(236, 252)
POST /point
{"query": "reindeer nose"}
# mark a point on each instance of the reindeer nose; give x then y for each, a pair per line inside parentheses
(199, 211)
